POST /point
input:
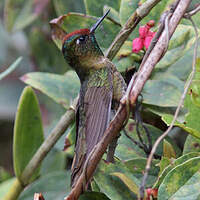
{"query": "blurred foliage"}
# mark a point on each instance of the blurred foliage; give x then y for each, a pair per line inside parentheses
(28, 124)
(25, 31)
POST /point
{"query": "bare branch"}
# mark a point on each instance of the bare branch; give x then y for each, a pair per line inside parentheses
(193, 12)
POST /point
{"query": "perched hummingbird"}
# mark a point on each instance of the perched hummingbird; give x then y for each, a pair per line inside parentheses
(102, 87)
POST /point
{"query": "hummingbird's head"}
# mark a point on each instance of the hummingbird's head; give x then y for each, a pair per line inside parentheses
(80, 47)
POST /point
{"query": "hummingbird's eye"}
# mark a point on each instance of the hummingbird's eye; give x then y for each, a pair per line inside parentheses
(81, 39)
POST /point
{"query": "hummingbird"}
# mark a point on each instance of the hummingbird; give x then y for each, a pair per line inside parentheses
(102, 87)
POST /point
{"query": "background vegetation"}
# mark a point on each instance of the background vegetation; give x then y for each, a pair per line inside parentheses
(25, 31)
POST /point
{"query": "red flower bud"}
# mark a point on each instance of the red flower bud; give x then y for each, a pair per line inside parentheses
(151, 192)
(151, 23)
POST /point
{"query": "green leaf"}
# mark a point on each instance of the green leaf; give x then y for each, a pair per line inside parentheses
(181, 37)
(168, 119)
(189, 120)
(168, 150)
(182, 181)
(172, 165)
(114, 187)
(123, 63)
(173, 69)
(192, 144)
(28, 131)
(54, 161)
(55, 185)
(164, 93)
(127, 181)
(137, 168)
(161, 111)
(191, 124)
(95, 7)
(46, 56)
(61, 88)
(180, 43)
(5, 186)
(127, 8)
(105, 33)
(180, 63)
(195, 86)
(163, 164)
(124, 58)
(93, 196)
(10, 68)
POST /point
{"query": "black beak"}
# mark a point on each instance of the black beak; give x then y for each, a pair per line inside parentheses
(94, 27)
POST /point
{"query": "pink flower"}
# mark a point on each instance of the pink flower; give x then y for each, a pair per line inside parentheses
(148, 38)
(145, 37)
(137, 45)
(151, 33)
(147, 41)
(143, 31)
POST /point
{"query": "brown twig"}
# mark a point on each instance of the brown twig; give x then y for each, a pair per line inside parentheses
(148, 165)
(192, 12)
(111, 150)
(139, 81)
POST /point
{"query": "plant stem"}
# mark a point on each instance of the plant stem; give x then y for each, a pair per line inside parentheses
(14, 191)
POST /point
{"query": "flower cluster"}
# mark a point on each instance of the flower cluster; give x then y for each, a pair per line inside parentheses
(150, 192)
(145, 37)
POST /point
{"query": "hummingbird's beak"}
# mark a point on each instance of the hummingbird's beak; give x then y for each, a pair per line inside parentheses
(94, 27)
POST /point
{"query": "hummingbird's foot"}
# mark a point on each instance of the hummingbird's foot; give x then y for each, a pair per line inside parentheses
(127, 99)
(111, 149)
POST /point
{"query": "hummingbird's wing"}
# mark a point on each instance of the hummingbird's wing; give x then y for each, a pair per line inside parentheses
(98, 108)
(93, 116)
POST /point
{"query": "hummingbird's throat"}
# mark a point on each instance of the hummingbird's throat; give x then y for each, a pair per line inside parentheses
(88, 66)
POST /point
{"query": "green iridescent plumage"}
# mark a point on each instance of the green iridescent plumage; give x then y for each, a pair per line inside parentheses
(101, 86)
